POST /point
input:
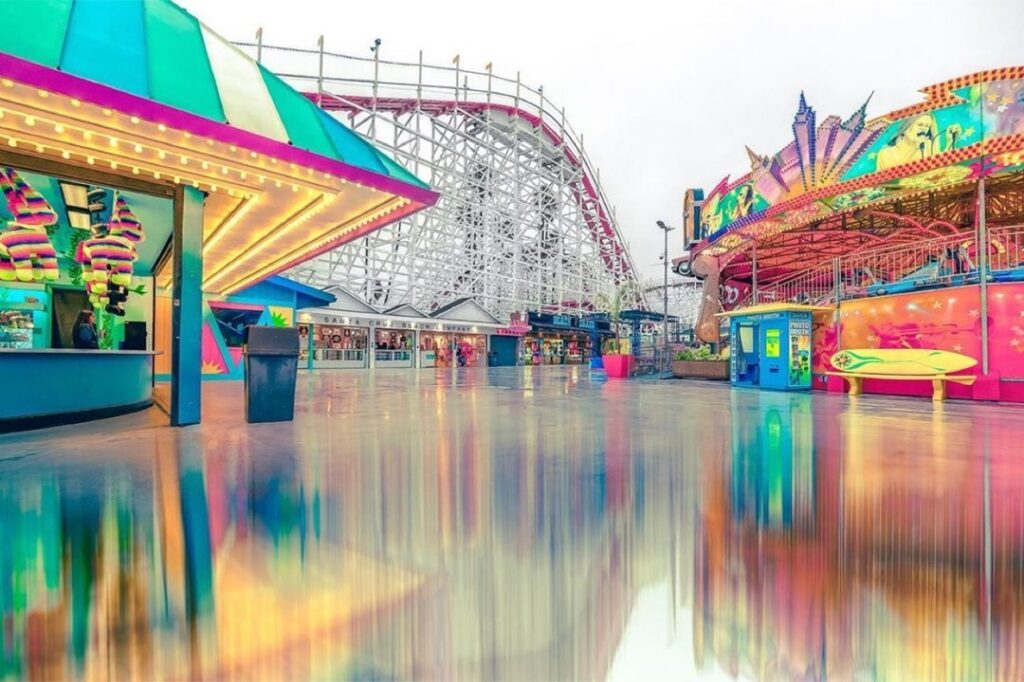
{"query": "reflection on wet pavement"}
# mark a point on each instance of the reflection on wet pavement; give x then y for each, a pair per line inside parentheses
(522, 524)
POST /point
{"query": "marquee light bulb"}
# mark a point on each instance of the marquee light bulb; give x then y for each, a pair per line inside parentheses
(135, 120)
(138, 149)
(30, 121)
(58, 128)
(161, 127)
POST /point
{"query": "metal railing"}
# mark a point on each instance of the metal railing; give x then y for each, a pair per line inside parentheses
(393, 355)
(333, 354)
(951, 260)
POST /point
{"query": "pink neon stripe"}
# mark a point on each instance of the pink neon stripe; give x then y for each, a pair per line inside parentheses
(38, 76)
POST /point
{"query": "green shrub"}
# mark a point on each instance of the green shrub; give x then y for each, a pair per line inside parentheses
(700, 354)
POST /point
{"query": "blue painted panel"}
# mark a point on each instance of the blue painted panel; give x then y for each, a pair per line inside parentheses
(187, 313)
(51, 383)
(264, 293)
(106, 43)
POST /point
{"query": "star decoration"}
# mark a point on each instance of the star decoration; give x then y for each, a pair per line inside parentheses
(1015, 343)
(937, 305)
(957, 348)
(872, 338)
(975, 313)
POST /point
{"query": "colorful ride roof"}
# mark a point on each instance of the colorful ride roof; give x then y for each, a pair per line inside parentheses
(818, 197)
(142, 88)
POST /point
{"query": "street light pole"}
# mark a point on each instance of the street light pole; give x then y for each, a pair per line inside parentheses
(666, 229)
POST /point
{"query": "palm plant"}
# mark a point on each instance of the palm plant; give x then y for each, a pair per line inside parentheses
(624, 295)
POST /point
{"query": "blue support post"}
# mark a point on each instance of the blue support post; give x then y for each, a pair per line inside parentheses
(187, 307)
(310, 346)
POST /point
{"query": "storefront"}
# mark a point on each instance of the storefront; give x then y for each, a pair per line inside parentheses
(395, 344)
(461, 347)
(561, 339)
(334, 346)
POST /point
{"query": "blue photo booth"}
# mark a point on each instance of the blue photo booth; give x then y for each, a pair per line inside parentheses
(771, 346)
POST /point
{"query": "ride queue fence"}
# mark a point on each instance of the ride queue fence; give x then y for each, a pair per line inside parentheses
(950, 260)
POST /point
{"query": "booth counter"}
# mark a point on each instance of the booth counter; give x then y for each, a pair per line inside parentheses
(51, 386)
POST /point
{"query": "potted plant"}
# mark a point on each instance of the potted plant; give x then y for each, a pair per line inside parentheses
(700, 363)
(618, 358)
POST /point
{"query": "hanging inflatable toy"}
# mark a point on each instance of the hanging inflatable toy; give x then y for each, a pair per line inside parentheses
(108, 258)
(26, 253)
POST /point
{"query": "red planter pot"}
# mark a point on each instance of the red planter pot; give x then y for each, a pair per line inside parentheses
(618, 366)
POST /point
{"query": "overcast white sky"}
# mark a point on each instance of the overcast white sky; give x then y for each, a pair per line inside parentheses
(667, 93)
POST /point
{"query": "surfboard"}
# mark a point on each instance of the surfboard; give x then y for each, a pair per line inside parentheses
(901, 361)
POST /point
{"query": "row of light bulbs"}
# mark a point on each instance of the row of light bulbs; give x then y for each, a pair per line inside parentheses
(31, 120)
(277, 233)
(332, 236)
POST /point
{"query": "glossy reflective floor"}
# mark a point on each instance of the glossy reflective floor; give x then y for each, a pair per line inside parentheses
(519, 524)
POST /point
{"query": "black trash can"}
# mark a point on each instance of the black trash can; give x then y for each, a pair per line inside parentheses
(271, 365)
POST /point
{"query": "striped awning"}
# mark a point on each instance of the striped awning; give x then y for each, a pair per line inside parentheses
(156, 50)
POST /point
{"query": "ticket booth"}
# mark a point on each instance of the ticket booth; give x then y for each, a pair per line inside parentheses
(771, 346)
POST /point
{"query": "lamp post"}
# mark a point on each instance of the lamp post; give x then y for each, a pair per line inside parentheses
(666, 229)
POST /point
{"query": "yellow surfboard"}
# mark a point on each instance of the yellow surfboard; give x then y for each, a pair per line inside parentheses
(901, 361)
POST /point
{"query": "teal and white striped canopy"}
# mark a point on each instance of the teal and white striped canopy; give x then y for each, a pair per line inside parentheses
(157, 50)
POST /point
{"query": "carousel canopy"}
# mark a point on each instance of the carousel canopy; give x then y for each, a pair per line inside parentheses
(843, 185)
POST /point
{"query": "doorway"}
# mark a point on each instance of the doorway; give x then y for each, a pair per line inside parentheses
(67, 304)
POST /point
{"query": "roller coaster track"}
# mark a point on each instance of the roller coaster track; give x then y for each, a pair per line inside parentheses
(522, 224)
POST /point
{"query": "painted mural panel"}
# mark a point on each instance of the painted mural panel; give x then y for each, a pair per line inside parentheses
(726, 209)
(957, 115)
(942, 319)
(923, 135)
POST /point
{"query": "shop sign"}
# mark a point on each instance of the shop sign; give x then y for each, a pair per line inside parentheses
(561, 320)
(587, 324)
(511, 331)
